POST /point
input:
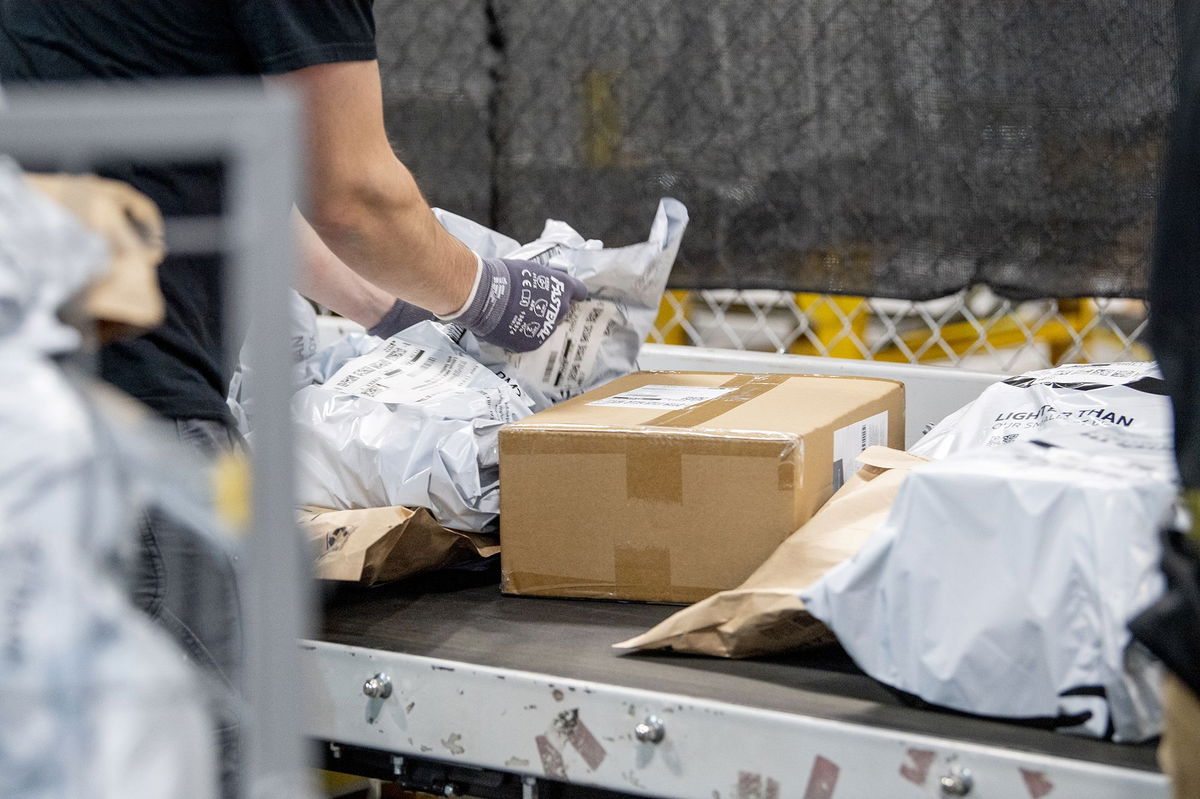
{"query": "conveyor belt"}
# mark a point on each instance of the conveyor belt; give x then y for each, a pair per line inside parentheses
(465, 618)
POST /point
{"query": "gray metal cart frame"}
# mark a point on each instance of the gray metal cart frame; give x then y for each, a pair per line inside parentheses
(455, 688)
(255, 133)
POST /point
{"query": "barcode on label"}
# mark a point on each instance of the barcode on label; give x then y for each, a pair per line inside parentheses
(408, 361)
(546, 255)
(402, 372)
(852, 440)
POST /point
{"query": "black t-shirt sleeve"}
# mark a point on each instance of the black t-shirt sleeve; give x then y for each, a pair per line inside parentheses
(284, 35)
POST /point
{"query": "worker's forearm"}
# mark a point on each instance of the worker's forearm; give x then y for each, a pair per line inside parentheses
(324, 278)
(382, 226)
(365, 203)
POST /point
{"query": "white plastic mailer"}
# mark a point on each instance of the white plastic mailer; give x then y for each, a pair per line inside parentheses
(1002, 582)
(302, 325)
(601, 337)
(1124, 396)
(94, 700)
(411, 421)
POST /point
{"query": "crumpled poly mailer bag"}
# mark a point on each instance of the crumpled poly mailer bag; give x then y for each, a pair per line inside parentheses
(306, 369)
(764, 615)
(96, 700)
(600, 338)
(1126, 396)
(413, 421)
(1002, 584)
(378, 545)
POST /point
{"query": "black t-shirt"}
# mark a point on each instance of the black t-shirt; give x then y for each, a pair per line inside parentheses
(178, 368)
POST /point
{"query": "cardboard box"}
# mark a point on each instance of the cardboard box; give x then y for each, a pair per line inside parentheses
(671, 486)
(764, 615)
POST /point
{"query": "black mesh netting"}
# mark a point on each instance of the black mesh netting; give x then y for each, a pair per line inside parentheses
(902, 148)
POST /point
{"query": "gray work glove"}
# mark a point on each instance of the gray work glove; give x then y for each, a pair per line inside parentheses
(401, 316)
(516, 305)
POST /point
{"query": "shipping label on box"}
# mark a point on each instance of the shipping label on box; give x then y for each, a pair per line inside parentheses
(670, 486)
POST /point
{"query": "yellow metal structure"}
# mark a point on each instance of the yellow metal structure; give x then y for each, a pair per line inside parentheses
(837, 326)
(1064, 337)
(841, 327)
(672, 313)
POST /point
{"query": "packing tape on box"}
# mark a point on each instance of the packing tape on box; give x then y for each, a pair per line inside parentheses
(524, 441)
(640, 565)
(746, 388)
(654, 469)
(531, 583)
(654, 457)
(654, 464)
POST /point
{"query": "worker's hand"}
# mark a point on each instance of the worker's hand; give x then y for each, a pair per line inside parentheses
(518, 304)
(400, 316)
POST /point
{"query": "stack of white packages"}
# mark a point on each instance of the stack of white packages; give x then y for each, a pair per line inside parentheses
(94, 699)
(414, 420)
(1005, 575)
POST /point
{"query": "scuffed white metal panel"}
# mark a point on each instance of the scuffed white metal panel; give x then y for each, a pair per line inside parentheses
(585, 733)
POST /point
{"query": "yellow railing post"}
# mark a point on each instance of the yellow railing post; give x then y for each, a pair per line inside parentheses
(833, 336)
(1078, 316)
(673, 310)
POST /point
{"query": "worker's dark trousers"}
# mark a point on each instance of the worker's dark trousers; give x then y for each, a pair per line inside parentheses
(188, 586)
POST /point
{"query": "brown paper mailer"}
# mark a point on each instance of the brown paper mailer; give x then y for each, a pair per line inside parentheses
(132, 226)
(764, 615)
(378, 545)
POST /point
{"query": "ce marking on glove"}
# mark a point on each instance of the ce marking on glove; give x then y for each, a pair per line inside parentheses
(534, 280)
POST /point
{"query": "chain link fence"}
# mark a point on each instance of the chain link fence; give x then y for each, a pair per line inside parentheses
(972, 329)
(965, 160)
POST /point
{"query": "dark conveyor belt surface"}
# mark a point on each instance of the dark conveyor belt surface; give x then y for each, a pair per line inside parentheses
(463, 620)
